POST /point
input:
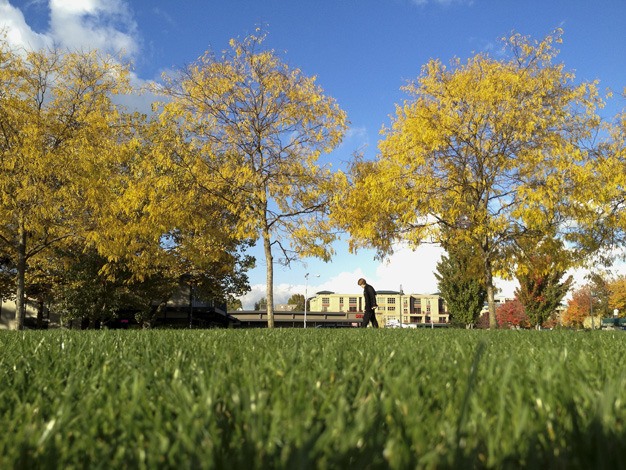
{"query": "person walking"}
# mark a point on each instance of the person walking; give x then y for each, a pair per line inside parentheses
(370, 304)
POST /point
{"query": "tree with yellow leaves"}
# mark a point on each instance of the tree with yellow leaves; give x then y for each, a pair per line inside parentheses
(161, 228)
(617, 295)
(485, 152)
(252, 130)
(605, 191)
(57, 141)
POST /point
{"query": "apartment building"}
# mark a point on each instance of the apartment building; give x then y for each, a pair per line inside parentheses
(393, 306)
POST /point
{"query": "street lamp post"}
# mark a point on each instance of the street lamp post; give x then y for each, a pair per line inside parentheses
(400, 309)
(306, 285)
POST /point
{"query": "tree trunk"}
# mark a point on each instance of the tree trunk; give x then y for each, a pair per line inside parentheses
(148, 320)
(40, 312)
(269, 259)
(491, 301)
(20, 300)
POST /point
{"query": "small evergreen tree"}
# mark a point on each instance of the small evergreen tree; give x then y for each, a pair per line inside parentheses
(234, 304)
(461, 286)
(261, 304)
(298, 301)
(541, 294)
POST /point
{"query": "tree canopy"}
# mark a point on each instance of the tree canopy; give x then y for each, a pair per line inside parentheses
(502, 160)
(57, 147)
(94, 199)
(484, 152)
(252, 131)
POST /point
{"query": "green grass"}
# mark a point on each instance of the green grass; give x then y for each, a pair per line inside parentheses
(315, 398)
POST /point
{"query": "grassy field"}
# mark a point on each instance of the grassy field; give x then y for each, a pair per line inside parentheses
(315, 398)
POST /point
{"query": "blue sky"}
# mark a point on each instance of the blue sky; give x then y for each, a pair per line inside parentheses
(362, 52)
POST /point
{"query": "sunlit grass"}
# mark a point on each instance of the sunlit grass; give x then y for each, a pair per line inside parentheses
(312, 398)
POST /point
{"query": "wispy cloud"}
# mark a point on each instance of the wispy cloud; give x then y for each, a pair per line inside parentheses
(356, 140)
(159, 12)
(357, 132)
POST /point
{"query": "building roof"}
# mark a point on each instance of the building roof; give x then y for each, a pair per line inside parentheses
(378, 292)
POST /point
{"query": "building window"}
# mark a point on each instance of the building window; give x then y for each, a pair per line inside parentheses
(340, 300)
(326, 301)
(352, 300)
(391, 309)
(391, 300)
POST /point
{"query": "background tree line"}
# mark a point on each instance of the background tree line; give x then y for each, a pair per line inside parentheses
(504, 161)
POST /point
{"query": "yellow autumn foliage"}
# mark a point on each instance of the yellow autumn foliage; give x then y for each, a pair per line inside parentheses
(58, 144)
(486, 149)
(251, 132)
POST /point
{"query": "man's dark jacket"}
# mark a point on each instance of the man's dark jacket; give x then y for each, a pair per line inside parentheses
(370, 297)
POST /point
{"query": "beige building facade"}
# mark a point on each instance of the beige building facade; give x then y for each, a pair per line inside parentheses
(393, 307)
(8, 319)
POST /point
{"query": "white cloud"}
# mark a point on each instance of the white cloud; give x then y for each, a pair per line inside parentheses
(141, 100)
(106, 25)
(355, 141)
(412, 269)
(19, 34)
(344, 282)
(357, 133)
(257, 292)
(165, 16)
